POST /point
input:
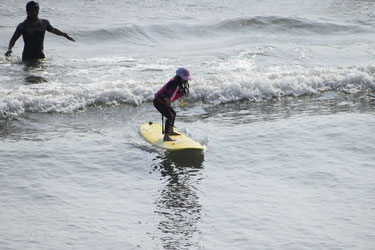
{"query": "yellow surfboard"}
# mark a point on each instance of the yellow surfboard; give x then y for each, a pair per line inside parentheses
(152, 132)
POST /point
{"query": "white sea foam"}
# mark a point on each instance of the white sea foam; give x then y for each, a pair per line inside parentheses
(234, 86)
(242, 83)
(52, 98)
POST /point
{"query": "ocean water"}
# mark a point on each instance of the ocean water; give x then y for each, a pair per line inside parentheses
(283, 99)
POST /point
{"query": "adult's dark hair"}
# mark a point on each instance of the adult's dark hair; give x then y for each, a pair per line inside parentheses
(32, 5)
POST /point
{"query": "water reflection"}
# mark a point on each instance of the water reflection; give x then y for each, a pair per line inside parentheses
(32, 79)
(178, 201)
(32, 67)
(4, 127)
(25, 72)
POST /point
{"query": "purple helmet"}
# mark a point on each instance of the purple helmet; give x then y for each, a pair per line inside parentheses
(184, 74)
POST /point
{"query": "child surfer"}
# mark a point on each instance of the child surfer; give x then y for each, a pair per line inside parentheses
(175, 88)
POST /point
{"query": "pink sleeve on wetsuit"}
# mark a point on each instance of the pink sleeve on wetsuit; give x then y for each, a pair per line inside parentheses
(163, 89)
(174, 97)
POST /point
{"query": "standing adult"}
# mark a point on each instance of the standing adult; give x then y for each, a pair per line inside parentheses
(33, 30)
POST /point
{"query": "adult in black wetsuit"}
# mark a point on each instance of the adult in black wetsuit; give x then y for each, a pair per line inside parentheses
(32, 31)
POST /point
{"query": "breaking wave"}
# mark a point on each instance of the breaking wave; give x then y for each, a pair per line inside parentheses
(262, 24)
(210, 88)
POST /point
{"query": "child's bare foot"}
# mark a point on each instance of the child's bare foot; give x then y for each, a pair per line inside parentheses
(167, 138)
(173, 133)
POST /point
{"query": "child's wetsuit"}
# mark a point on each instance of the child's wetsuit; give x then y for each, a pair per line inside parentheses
(171, 90)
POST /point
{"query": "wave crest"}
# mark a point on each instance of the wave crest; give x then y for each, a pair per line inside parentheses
(285, 25)
(212, 88)
(157, 33)
(254, 86)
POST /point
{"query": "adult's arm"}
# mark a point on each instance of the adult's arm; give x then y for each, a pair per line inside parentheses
(60, 33)
(12, 42)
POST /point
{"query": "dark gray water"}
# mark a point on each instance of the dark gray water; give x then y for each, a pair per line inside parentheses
(283, 99)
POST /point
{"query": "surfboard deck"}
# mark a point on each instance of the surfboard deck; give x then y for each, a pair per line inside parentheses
(152, 132)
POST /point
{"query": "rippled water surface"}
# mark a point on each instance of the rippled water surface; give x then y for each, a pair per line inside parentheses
(282, 98)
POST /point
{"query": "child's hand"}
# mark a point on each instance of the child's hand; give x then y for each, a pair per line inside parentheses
(167, 101)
